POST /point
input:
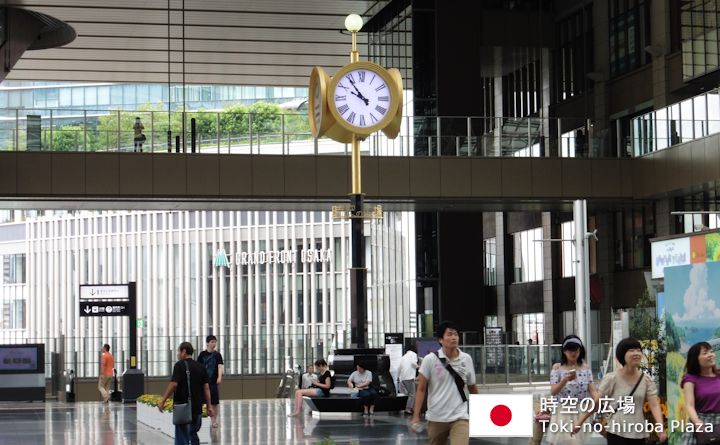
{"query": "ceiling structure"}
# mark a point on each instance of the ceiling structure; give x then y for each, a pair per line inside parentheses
(239, 42)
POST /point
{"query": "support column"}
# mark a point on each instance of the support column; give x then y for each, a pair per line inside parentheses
(500, 269)
(548, 327)
(358, 271)
(582, 277)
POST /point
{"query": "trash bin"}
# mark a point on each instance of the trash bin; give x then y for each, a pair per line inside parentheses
(69, 377)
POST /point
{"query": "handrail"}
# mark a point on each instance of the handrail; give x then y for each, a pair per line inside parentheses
(287, 133)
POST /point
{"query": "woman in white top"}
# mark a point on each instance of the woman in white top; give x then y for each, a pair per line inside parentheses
(361, 379)
(571, 382)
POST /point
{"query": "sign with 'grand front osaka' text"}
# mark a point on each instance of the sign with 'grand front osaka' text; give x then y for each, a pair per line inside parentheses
(223, 259)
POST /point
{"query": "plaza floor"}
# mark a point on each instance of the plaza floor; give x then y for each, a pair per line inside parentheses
(246, 422)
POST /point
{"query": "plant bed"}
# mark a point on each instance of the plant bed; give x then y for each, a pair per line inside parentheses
(148, 414)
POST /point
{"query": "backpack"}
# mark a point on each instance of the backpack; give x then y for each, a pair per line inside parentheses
(332, 381)
(377, 386)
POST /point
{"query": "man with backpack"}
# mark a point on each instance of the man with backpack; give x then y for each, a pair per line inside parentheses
(443, 376)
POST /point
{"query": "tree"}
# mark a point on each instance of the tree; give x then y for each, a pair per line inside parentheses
(266, 118)
(234, 121)
(644, 325)
(67, 138)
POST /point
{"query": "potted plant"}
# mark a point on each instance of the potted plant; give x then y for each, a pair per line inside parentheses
(149, 415)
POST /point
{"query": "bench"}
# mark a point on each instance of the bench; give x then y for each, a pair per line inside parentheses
(340, 401)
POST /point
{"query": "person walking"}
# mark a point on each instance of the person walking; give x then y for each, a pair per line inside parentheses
(571, 382)
(629, 382)
(407, 375)
(361, 380)
(139, 137)
(441, 375)
(199, 392)
(215, 367)
(701, 387)
(320, 388)
(107, 364)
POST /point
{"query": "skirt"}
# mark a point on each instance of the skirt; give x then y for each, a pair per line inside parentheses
(560, 437)
(688, 438)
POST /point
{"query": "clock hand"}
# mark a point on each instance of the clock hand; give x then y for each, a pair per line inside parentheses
(359, 94)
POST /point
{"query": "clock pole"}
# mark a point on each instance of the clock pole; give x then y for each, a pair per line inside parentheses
(358, 271)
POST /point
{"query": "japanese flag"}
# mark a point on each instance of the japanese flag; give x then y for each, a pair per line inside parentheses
(501, 415)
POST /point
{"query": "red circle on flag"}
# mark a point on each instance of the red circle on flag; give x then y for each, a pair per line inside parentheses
(500, 415)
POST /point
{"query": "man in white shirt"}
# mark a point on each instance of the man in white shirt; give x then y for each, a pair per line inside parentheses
(444, 375)
(307, 378)
(406, 375)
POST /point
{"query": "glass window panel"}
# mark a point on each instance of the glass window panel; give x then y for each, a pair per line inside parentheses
(663, 129)
(91, 96)
(116, 95)
(713, 108)
(686, 123)
(129, 97)
(103, 95)
(700, 115)
(53, 96)
(143, 94)
(65, 97)
(78, 97)
(155, 94)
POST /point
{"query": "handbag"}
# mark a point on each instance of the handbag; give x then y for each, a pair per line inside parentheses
(182, 412)
(708, 438)
(603, 421)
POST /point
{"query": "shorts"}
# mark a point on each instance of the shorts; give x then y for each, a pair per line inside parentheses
(319, 393)
(214, 395)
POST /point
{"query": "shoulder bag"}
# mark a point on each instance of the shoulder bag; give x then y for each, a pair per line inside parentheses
(602, 420)
(708, 438)
(459, 382)
(182, 412)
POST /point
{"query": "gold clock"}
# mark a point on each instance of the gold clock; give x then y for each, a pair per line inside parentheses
(320, 119)
(363, 97)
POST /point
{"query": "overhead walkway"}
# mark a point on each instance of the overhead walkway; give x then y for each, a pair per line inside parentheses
(436, 163)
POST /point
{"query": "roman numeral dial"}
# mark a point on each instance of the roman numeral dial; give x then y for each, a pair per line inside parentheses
(363, 97)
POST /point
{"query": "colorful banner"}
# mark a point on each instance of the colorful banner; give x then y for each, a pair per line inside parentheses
(691, 308)
(674, 252)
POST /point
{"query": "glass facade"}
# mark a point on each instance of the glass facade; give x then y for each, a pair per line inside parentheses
(44, 95)
(699, 36)
(567, 255)
(575, 53)
(629, 35)
(14, 269)
(681, 122)
(273, 286)
(527, 256)
(529, 327)
(490, 252)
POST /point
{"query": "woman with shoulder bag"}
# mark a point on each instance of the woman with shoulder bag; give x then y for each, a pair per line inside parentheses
(571, 382)
(701, 387)
(629, 381)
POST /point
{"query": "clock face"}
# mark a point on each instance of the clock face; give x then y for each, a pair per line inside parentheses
(362, 98)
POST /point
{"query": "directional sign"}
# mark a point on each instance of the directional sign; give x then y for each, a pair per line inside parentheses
(115, 308)
(104, 291)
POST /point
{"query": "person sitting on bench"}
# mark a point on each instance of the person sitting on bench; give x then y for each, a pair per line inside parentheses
(361, 379)
(320, 388)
